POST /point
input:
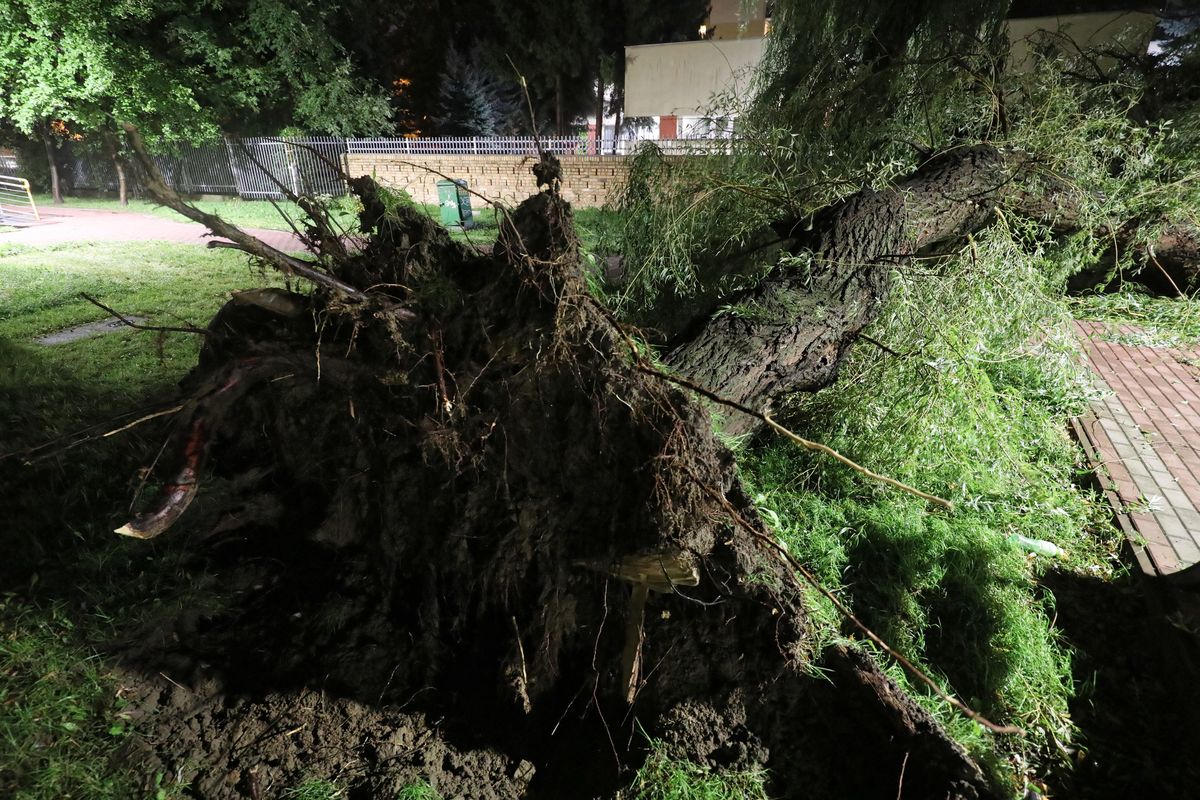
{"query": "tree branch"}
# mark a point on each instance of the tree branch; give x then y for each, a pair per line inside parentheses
(132, 324)
(164, 194)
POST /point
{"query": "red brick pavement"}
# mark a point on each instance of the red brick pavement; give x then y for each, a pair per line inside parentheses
(1147, 434)
(90, 225)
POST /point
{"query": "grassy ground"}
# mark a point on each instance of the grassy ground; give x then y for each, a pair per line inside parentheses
(60, 717)
(176, 285)
(244, 213)
(60, 709)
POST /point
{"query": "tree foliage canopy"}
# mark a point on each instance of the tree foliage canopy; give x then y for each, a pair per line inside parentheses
(181, 70)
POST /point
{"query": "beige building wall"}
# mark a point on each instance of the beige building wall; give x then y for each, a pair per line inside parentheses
(682, 78)
(1086, 30)
(588, 181)
(726, 19)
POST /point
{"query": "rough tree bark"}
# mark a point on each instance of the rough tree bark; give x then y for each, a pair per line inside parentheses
(801, 319)
(795, 326)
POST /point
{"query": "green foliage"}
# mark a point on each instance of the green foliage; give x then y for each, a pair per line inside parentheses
(75, 61)
(61, 722)
(679, 215)
(974, 409)
(851, 96)
(663, 777)
(280, 59)
(1161, 322)
(179, 70)
(1096, 161)
(848, 83)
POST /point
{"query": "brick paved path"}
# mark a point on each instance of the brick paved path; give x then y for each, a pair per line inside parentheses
(1146, 433)
(90, 225)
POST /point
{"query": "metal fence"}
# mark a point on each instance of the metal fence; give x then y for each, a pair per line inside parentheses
(255, 169)
(199, 170)
(264, 167)
(527, 145)
(195, 170)
(477, 145)
(311, 166)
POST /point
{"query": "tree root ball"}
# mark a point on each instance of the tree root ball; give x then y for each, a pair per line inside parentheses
(457, 535)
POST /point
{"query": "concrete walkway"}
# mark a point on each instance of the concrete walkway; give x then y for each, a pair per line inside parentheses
(89, 225)
(1144, 432)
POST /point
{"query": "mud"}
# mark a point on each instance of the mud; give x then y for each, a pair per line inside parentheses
(231, 746)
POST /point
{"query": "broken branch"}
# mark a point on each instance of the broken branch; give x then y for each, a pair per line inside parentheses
(140, 327)
(164, 194)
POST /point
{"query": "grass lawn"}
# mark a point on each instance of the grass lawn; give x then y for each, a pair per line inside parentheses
(263, 214)
(244, 213)
(60, 710)
(178, 285)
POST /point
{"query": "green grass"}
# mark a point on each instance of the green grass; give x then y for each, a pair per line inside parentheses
(663, 777)
(244, 213)
(174, 285)
(262, 214)
(61, 721)
(418, 791)
(973, 409)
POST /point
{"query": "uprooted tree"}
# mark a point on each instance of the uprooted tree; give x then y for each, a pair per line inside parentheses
(508, 490)
(518, 511)
(486, 499)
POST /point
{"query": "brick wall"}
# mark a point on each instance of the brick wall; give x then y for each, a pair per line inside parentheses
(588, 181)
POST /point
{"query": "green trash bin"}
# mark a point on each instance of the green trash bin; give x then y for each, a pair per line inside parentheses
(455, 203)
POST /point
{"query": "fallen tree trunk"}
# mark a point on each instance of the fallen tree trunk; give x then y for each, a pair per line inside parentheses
(792, 330)
(446, 484)
(798, 323)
